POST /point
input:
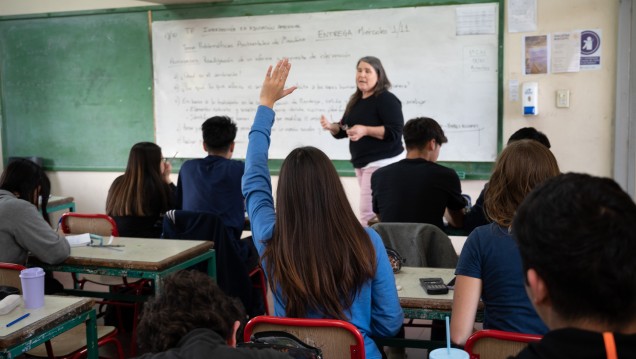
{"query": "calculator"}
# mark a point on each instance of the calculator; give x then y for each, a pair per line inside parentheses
(434, 286)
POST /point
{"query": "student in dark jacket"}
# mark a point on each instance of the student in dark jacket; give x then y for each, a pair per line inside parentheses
(194, 319)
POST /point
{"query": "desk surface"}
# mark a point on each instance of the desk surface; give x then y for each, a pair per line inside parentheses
(419, 305)
(412, 295)
(59, 200)
(56, 310)
(138, 253)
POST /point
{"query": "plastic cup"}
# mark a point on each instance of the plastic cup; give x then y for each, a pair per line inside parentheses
(32, 280)
(445, 353)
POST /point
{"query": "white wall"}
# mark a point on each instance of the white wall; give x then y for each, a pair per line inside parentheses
(582, 136)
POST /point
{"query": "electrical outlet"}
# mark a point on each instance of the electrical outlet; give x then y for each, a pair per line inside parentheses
(563, 98)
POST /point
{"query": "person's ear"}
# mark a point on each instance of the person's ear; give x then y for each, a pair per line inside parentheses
(537, 290)
(231, 341)
(430, 145)
(205, 148)
(232, 147)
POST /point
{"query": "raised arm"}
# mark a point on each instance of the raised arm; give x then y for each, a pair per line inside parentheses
(256, 183)
(274, 85)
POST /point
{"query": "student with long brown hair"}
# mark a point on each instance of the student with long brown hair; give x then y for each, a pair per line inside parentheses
(489, 265)
(320, 261)
(138, 199)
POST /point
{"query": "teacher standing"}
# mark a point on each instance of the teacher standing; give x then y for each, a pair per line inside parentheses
(373, 122)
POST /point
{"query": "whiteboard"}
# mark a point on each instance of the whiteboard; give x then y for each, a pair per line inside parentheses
(441, 65)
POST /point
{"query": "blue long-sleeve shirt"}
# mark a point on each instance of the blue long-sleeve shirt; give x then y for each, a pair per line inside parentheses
(376, 309)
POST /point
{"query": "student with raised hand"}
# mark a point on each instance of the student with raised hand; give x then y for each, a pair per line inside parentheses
(138, 199)
(489, 265)
(194, 319)
(24, 226)
(319, 260)
(577, 239)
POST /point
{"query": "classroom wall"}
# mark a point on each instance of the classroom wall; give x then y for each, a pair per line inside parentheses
(581, 136)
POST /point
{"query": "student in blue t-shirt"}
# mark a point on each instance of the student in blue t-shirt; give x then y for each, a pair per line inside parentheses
(319, 260)
(489, 266)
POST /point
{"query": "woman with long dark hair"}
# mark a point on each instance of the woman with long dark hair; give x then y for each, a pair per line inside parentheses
(138, 199)
(319, 260)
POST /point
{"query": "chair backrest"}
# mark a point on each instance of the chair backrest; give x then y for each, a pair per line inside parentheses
(497, 344)
(95, 223)
(231, 272)
(10, 275)
(420, 244)
(336, 338)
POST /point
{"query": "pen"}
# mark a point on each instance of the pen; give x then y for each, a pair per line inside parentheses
(173, 157)
(17, 320)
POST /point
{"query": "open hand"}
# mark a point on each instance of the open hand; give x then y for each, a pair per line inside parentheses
(274, 85)
(356, 132)
(326, 124)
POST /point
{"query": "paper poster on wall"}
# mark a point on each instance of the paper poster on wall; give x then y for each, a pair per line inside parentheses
(565, 51)
(476, 20)
(536, 55)
(590, 44)
(522, 15)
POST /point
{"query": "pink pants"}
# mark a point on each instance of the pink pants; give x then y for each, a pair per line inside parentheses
(364, 181)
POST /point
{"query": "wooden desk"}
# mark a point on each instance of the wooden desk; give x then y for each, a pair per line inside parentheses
(416, 304)
(57, 203)
(146, 258)
(58, 315)
(413, 298)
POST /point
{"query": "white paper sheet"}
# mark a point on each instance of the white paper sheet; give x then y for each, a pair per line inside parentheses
(522, 15)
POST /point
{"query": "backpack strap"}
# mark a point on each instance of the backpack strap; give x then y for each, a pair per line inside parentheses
(610, 345)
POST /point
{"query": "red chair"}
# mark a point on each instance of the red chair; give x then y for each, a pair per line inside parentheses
(70, 344)
(497, 344)
(258, 281)
(336, 338)
(104, 225)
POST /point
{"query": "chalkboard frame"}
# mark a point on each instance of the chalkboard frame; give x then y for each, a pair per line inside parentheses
(466, 170)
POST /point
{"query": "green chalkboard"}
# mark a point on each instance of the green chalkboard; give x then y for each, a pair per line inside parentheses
(76, 90)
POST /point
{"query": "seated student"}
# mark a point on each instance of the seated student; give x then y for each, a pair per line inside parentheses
(319, 260)
(577, 239)
(25, 224)
(138, 199)
(416, 189)
(213, 184)
(489, 265)
(476, 217)
(193, 319)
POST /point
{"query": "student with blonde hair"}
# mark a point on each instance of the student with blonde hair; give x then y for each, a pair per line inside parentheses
(489, 266)
(319, 260)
